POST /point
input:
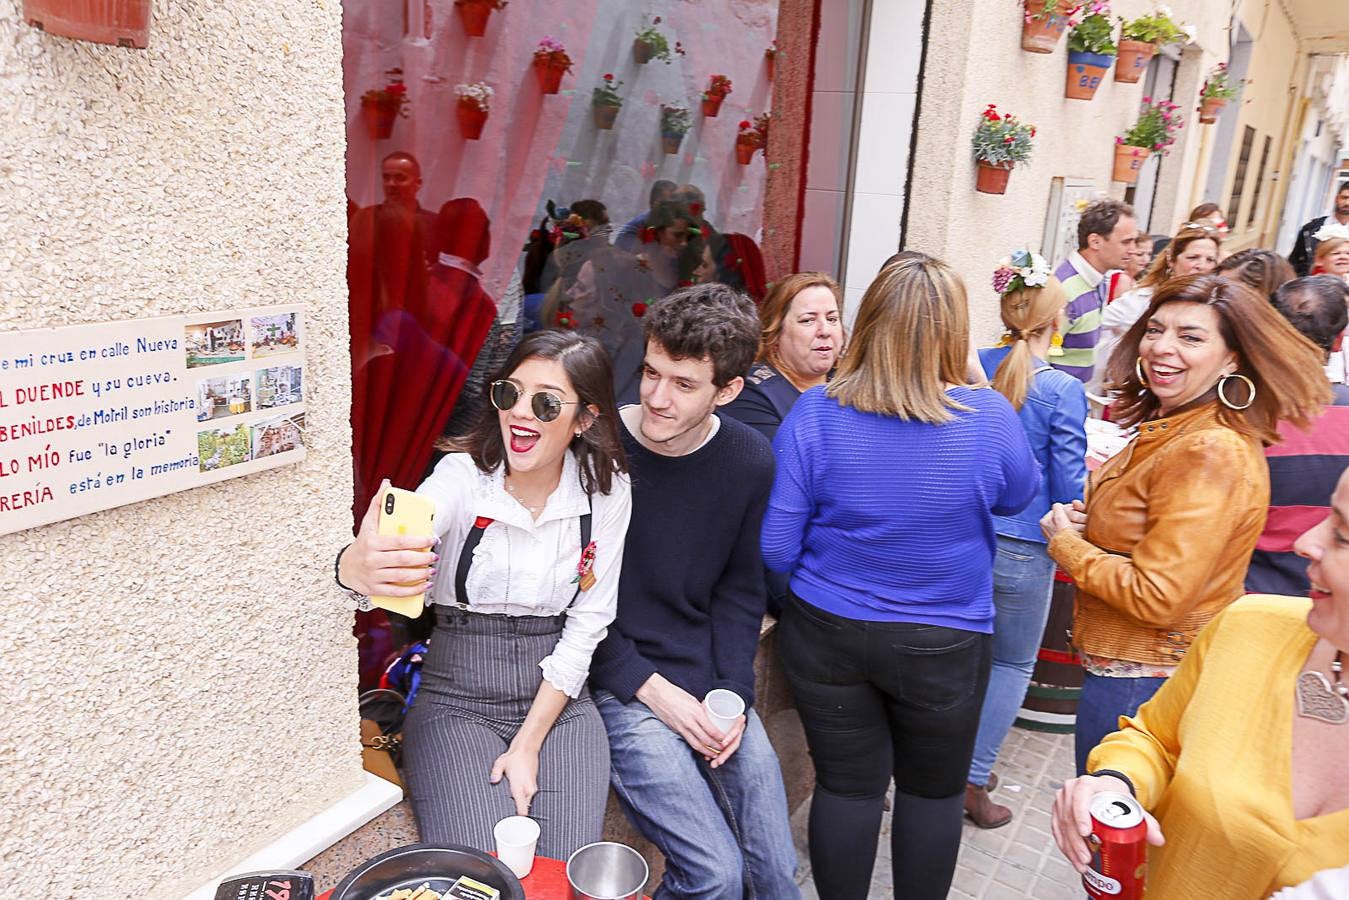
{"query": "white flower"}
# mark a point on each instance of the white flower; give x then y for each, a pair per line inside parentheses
(1036, 279)
(1164, 10)
(1191, 33)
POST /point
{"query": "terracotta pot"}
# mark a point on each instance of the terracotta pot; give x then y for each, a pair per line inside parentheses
(474, 14)
(642, 51)
(1041, 35)
(991, 178)
(712, 105)
(471, 120)
(1209, 108)
(604, 116)
(1133, 60)
(769, 62)
(125, 23)
(670, 143)
(549, 75)
(744, 151)
(1085, 73)
(1128, 161)
(378, 119)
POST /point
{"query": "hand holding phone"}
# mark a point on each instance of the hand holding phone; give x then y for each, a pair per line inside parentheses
(404, 513)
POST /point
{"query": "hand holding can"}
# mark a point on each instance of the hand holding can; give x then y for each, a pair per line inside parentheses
(1071, 821)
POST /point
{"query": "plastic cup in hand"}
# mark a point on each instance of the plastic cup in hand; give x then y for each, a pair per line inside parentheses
(516, 838)
(723, 708)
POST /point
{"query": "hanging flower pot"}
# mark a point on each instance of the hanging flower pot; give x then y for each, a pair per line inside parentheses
(712, 105)
(551, 62)
(1209, 109)
(378, 119)
(1133, 60)
(717, 89)
(670, 143)
(604, 116)
(1085, 73)
(642, 51)
(1040, 29)
(471, 120)
(770, 58)
(744, 150)
(474, 14)
(675, 122)
(1128, 161)
(125, 23)
(550, 76)
(991, 178)
(1217, 90)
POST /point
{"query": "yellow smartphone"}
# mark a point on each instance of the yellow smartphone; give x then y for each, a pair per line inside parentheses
(403, 512)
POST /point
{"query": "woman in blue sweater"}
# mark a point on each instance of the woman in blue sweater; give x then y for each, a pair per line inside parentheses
(882, 512)
(1052, 406)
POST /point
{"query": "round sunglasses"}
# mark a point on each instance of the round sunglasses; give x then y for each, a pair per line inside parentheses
(545, 405)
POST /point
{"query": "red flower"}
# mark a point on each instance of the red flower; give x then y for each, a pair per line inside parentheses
(565, 320)
(744, 124)
(1032, 131)
(639, 309)
(397, 88)
(608, 76)
(1008, 139)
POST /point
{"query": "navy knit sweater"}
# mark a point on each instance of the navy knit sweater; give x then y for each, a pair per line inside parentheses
(881, 519)
(691, 594)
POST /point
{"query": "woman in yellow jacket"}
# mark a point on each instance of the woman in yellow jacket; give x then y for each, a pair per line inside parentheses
(1170, 522)
(1243, 756)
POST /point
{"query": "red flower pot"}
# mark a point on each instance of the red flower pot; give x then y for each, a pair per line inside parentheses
(1132, 60)
(1086, 71)
(125, 23)
(604, 116)
(1041, 35)
(471, 120)
(769, 61)
(1128, 160)
(670, 143)
(991, 178)
(474, 14)
(1209, 108)
(712, 105)
(549, 75)
(642, 51)
(378, 119)
(744, 151)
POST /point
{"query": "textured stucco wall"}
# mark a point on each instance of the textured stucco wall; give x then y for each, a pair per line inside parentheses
(974, 58)
(180, 676)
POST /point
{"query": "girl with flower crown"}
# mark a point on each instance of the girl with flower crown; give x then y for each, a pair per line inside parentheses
(1332, 253)
(1052, 406)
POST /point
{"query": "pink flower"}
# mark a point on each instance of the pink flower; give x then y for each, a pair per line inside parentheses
(1001, 278)
(1147, 99)
(1119, 141)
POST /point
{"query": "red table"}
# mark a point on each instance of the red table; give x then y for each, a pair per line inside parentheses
(546, 881)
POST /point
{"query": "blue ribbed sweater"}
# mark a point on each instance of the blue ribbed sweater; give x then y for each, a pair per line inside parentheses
(881, 519)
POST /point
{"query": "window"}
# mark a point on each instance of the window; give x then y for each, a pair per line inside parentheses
(1259, 182)
(1239, 180)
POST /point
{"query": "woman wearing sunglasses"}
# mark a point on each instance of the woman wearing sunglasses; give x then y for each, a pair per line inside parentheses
(531, 514)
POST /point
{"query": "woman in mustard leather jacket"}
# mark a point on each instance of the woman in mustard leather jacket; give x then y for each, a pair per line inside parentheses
(1206, 374)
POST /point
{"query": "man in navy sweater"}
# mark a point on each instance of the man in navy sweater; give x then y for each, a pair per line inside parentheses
(690, 603)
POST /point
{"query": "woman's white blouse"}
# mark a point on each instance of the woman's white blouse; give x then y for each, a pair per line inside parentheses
(524, 567)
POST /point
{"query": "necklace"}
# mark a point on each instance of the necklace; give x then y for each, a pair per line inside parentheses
(1317, 698)
(510, 489)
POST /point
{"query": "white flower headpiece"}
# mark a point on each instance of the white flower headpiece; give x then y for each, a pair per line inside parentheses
(1023, 269)
(1332, 230)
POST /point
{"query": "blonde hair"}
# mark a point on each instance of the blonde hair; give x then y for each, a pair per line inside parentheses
(773, 311)
(1159, 270)
(910, 340)
(1026, 313)
(1327, 247)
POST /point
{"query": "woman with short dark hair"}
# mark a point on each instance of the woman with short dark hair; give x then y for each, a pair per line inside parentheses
(531, 514)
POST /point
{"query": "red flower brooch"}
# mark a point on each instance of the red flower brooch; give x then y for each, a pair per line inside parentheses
(585, 569)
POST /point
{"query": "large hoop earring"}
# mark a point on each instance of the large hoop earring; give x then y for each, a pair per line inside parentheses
(1138, 370)
(1250, 387)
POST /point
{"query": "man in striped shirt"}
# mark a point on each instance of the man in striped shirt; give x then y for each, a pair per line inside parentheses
(1106, 237)
(1305, 466)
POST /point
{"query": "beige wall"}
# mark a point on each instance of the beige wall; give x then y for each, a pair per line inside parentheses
(179, 674)
(975, 58)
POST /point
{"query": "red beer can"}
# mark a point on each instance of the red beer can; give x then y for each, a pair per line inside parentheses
(1118, 841)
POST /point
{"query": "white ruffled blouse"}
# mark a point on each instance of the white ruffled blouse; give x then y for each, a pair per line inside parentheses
(528, 567)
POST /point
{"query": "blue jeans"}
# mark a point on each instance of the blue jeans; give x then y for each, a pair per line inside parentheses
(1103, 701)
(724, 832)
(1023, 578)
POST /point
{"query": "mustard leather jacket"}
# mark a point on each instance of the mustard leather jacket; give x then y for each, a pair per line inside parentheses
(1171, 523)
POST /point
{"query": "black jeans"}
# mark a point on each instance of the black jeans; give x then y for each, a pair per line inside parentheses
(882, 700)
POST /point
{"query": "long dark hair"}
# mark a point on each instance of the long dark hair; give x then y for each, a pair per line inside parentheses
(599, 453)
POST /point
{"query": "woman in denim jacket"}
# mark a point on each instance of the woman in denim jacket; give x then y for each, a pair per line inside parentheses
(1052, 406)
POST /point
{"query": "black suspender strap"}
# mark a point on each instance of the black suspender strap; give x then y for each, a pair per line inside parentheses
(471, 541)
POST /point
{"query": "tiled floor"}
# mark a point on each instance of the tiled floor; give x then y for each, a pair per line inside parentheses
(1018, 860)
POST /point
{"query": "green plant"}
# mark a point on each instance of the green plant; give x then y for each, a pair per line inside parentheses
(394, 94)
(675, 120)
(1217, 85)
(1156, 127)
(1095, 33)
(607, 92)
(658, 42)
(1156, 28)
(1002, 138)
(1064, 8)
